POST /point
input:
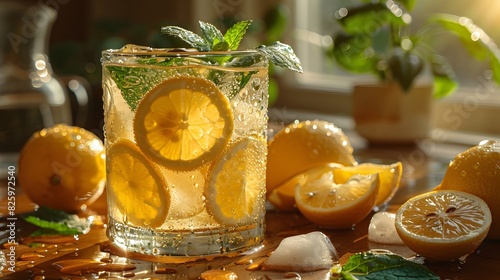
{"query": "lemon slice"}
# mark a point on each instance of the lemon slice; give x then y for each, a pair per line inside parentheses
(443, 225)
(136, 187)
(332, 205)
(389, 175)
(236, 186)
(183, 122)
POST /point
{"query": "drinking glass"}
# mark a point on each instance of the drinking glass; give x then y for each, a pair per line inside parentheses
(185, 135)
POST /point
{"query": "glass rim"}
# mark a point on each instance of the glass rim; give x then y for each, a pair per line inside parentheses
(176, 52)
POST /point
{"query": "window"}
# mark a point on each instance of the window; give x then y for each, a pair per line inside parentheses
(315, 22)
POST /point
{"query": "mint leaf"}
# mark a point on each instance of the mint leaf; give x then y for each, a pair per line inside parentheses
(235, 34)
(245, 78)
(281, 55)
(221, 46)
(212, 35)
(193, 39)
(58, 221)
(368, 265)
(134, 82)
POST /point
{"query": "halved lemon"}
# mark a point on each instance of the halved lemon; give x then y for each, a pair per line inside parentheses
(136, 186)
(183, 122)
(443, 225)
(236, 186)
(332, 205)
(389, 175)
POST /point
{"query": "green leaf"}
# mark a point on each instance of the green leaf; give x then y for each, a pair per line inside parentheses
(245, 78)
(405, 66)
(211, 34)
(370, 17)
(350, 52)
(221, 46)
(368, 265)
(235, 34)
(193, 39)
(474, 39)
(464, 28)
(408, 4)
(281, 55)
(445, 80)
(495, 66)
(134, 82)
(59, 221)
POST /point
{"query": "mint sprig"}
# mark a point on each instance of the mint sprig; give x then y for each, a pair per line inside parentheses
(278, 53)
(368, 266)
(57, 221)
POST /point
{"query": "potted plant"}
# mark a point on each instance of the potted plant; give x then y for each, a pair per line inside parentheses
(376, 38)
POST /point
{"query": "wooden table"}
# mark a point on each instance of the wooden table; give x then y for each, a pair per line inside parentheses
(421, 173)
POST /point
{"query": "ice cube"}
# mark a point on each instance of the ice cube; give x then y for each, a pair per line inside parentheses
(305, 252)
(383, 230)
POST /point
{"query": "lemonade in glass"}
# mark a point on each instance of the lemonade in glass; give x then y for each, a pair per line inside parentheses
(185, 134)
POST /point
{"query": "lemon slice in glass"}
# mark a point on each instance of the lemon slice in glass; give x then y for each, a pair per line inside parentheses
(136, 186)
(183, 122)
(236, 185)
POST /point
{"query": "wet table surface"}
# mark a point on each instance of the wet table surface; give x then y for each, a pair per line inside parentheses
(423, 170)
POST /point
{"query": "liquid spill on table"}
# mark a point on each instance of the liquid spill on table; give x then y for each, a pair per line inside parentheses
(90, 256)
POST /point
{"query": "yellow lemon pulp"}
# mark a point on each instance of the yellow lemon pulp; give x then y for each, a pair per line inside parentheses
(328, 204)
(236, 188)
(304, 145)
(477, 171)
(443, 225)
(283, 196)
(183, 122)
(389, 175)
(136, 186)
(63, 167)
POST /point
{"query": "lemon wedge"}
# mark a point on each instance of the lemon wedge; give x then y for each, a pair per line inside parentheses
(332, 205)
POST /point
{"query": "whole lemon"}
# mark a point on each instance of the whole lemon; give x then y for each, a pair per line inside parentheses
(477, 171)
(63, 167)
(304, 145)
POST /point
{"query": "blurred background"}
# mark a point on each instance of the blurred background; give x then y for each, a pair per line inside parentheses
(81, 29)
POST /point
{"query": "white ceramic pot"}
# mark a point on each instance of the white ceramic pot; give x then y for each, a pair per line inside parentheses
(383, 113)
